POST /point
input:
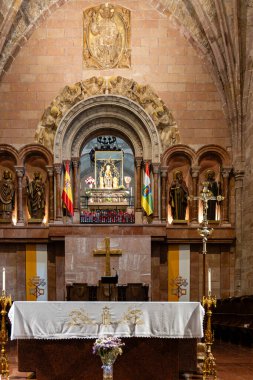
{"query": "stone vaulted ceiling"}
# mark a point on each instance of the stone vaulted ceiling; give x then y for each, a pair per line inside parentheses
(220, 30)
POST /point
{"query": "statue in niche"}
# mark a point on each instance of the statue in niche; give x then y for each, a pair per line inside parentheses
(36, 196)
(213, 186)
(178, 196)
(109, 176)
(7, 196)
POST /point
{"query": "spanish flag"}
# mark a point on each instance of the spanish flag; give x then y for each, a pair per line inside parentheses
(67, 191)
(146, 199)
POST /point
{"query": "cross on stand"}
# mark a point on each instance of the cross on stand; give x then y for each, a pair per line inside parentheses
(205, 231)
(108, 252)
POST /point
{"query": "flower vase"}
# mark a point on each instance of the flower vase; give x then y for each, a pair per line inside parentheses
(107, 371)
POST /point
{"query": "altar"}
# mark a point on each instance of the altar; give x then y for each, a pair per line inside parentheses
(55, 338)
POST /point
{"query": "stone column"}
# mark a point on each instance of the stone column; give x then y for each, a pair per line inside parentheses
(76, 180)
(225, 193)
(138, 162)
(194, 204)
(50, 173)
(239, 175)
(164, 206)
(57, 173)
(20, 174)
(155, 168)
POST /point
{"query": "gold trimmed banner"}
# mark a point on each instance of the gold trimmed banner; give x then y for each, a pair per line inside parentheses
(179, 272)
(36, 272)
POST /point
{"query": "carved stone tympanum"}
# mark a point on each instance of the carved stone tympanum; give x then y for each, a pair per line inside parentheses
(106, 37)
(144, 95)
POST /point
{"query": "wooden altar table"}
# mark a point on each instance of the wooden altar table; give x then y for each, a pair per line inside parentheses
(55, 338)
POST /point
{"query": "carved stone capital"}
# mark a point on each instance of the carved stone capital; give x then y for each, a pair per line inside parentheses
(195, 171)
(164, 171)
(57, 168)
(138, 161)
(225, 171)
(20, 171)
(75, 161)
(239, 175)
(50, 171)
(155, 168)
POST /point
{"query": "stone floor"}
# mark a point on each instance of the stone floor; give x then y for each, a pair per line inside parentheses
(233, 363)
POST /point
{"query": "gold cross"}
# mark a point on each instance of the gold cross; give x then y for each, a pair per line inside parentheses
(107, 252)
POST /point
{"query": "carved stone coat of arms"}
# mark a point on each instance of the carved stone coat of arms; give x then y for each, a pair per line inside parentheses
(106, 37)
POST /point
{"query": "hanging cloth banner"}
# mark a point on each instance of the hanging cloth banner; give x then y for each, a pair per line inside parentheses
(146, 198)
(67, 191)
(36, 272)
(179, 272)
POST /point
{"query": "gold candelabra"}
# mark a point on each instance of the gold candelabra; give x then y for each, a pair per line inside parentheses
(5, 301)
(209, 366)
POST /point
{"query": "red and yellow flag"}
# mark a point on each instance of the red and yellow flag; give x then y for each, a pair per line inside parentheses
(67, 191)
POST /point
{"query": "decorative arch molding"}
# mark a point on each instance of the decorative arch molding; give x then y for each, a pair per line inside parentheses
(140, 99)
(13, 152)
(32, 149)
(130, 120)
(217, 150)
(178, 149)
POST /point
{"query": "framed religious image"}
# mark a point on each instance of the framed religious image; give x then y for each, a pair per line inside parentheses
(109, 169)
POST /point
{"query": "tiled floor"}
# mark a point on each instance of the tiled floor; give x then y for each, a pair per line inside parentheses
(233, 362)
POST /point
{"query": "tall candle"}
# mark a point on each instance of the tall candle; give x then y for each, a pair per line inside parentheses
(209, 281)
(3, 279)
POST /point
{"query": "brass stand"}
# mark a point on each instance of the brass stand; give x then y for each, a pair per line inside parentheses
(5, 301)
(209, 366)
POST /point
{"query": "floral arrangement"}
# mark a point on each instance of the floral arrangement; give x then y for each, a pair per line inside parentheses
(90, 180)
(103, 346)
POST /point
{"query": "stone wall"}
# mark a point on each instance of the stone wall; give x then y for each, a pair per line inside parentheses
(161, 57)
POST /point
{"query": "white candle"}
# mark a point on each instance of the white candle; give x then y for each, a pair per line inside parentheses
(3, 279)
(209, 281)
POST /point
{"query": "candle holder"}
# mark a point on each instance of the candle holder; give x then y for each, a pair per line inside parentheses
(5, 301)
(209, 366)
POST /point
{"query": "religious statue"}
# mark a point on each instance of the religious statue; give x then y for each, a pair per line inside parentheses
(36, 196)
(178, 196)
(7, 195)
(213, 186)
(109, 176)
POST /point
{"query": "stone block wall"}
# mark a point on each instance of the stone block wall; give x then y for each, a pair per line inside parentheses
(161, 57)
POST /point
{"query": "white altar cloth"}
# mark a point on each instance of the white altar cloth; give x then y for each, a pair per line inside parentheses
(66, 320)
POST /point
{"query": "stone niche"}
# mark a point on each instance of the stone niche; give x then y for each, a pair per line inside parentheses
(133, 266)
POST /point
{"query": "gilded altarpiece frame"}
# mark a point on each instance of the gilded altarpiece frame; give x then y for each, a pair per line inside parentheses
(106, 37)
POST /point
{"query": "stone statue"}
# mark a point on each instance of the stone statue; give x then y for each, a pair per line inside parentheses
(7, 195)
(213, 186)
(178, 196)
(36, 196)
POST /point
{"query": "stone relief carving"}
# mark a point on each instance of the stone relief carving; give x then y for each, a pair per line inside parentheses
(106, 37)
(141, 94)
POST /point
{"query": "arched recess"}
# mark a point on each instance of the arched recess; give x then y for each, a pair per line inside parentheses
(118, 114)
(216, 150)
(178, 149)
(10, 151)
(34, 149)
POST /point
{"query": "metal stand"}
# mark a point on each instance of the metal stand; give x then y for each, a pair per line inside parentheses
(5, 301)
(209, 366)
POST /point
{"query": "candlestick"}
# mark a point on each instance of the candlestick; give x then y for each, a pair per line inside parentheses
(3, 279)
(209, 281)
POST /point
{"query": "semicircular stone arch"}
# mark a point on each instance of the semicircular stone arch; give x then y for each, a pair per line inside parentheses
(113, 112)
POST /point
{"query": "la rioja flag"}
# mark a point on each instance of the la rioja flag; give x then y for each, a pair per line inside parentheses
(67, 191)
(146, 199)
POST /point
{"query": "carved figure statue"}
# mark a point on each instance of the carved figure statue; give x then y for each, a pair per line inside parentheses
(213, 186)
(169, 136)
(7, 195)
(108, 177)
(36, 196)
(178, 196)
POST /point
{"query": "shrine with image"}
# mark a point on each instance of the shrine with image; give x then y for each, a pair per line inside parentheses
(106, 195)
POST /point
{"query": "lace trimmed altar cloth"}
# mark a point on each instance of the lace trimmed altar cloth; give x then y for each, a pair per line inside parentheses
(85, 320)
